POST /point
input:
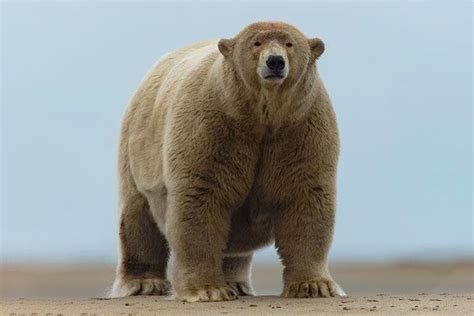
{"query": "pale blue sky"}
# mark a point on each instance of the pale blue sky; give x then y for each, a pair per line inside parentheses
(399, 74)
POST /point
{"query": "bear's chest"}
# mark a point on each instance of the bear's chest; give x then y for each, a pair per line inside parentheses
(251, 226)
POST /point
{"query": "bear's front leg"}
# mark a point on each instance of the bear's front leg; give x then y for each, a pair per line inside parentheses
(303, 235)
(197, 232)
(209, 168)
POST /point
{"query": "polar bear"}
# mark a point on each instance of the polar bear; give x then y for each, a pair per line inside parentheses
(226, 147)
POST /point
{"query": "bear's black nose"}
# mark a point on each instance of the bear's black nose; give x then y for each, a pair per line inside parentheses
(275, 62)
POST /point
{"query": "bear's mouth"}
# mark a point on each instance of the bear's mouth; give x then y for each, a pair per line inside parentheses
(274, 76)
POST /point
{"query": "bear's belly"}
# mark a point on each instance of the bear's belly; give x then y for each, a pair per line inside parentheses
(251, 229)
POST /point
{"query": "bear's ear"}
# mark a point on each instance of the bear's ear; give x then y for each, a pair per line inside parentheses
(317, 48)
(225, 46)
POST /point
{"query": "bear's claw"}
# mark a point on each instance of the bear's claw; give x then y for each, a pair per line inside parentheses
(313, 288)
(136, 286)
(208, 293)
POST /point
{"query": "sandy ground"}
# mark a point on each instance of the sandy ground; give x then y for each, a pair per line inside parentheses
(442, 288)
(260, 305)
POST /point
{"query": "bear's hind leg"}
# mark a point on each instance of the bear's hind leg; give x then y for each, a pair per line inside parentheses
(237, 273)
(144, 252)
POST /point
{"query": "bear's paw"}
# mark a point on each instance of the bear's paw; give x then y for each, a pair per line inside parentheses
(140, 286)
(313, 288)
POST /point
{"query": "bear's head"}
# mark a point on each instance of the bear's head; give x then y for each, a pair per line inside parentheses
(270, 54)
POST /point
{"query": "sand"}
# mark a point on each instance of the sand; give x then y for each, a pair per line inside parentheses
(424, 289)
(259, 305)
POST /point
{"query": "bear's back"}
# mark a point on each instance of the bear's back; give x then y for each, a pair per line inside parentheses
(143, 127)
(176, 65)
(174, 73)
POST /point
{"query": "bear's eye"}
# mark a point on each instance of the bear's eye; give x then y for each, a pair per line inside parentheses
(257, 43)
(289, 44)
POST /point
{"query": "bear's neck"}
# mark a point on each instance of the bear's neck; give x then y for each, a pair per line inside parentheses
(273, 107)
(276, 107)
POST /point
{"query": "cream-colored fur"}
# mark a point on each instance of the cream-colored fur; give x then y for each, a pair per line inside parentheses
(216, 161)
